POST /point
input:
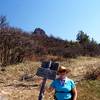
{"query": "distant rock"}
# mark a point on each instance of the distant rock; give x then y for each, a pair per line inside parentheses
(39, 32)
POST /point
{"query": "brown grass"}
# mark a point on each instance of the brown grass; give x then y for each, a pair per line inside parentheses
(11, 88)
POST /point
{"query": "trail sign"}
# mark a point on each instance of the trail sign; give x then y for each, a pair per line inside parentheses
(48, 70)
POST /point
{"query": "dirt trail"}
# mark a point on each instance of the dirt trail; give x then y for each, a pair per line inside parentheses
(4, 95)
(18, 93)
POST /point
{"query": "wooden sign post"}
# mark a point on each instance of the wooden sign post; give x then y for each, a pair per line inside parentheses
(47, 71)
(41, 94)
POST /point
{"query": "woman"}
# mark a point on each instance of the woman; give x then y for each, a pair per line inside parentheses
(64, 87)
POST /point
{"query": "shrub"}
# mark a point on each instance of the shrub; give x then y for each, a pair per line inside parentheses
(92, 74)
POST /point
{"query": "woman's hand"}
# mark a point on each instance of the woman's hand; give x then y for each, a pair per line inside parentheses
(74, 92)
(50, 89)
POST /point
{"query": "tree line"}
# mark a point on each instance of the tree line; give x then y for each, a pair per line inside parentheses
(17, 45)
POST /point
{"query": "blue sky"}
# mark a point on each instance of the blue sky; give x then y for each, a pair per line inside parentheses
(61, 18)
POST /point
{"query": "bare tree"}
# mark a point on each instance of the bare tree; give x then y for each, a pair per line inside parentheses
(3, 22)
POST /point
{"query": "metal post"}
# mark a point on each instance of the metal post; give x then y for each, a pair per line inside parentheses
(42, 89)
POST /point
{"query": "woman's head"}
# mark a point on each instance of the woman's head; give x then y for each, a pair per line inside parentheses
(62, 71)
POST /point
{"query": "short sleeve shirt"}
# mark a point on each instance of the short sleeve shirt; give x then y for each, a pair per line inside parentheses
(63, 91)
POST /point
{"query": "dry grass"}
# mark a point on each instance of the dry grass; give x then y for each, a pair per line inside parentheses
(89, 90)
(11, 88)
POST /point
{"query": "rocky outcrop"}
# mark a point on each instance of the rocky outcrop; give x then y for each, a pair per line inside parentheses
(39, 32)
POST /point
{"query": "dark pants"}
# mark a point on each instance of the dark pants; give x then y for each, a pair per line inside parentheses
(65, 99)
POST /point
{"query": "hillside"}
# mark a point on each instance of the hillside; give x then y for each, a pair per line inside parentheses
(17, 46)
(19, 82)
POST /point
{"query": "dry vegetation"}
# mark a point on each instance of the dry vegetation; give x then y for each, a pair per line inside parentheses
(19, 82)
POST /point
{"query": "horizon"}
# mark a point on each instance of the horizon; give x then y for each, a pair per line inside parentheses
(63, 19)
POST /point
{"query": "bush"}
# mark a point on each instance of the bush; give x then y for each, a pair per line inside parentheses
(92, 74)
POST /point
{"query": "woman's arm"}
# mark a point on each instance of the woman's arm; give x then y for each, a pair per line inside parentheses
(74, 93)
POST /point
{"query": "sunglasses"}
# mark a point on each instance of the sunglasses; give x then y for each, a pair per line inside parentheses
(63, 71)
